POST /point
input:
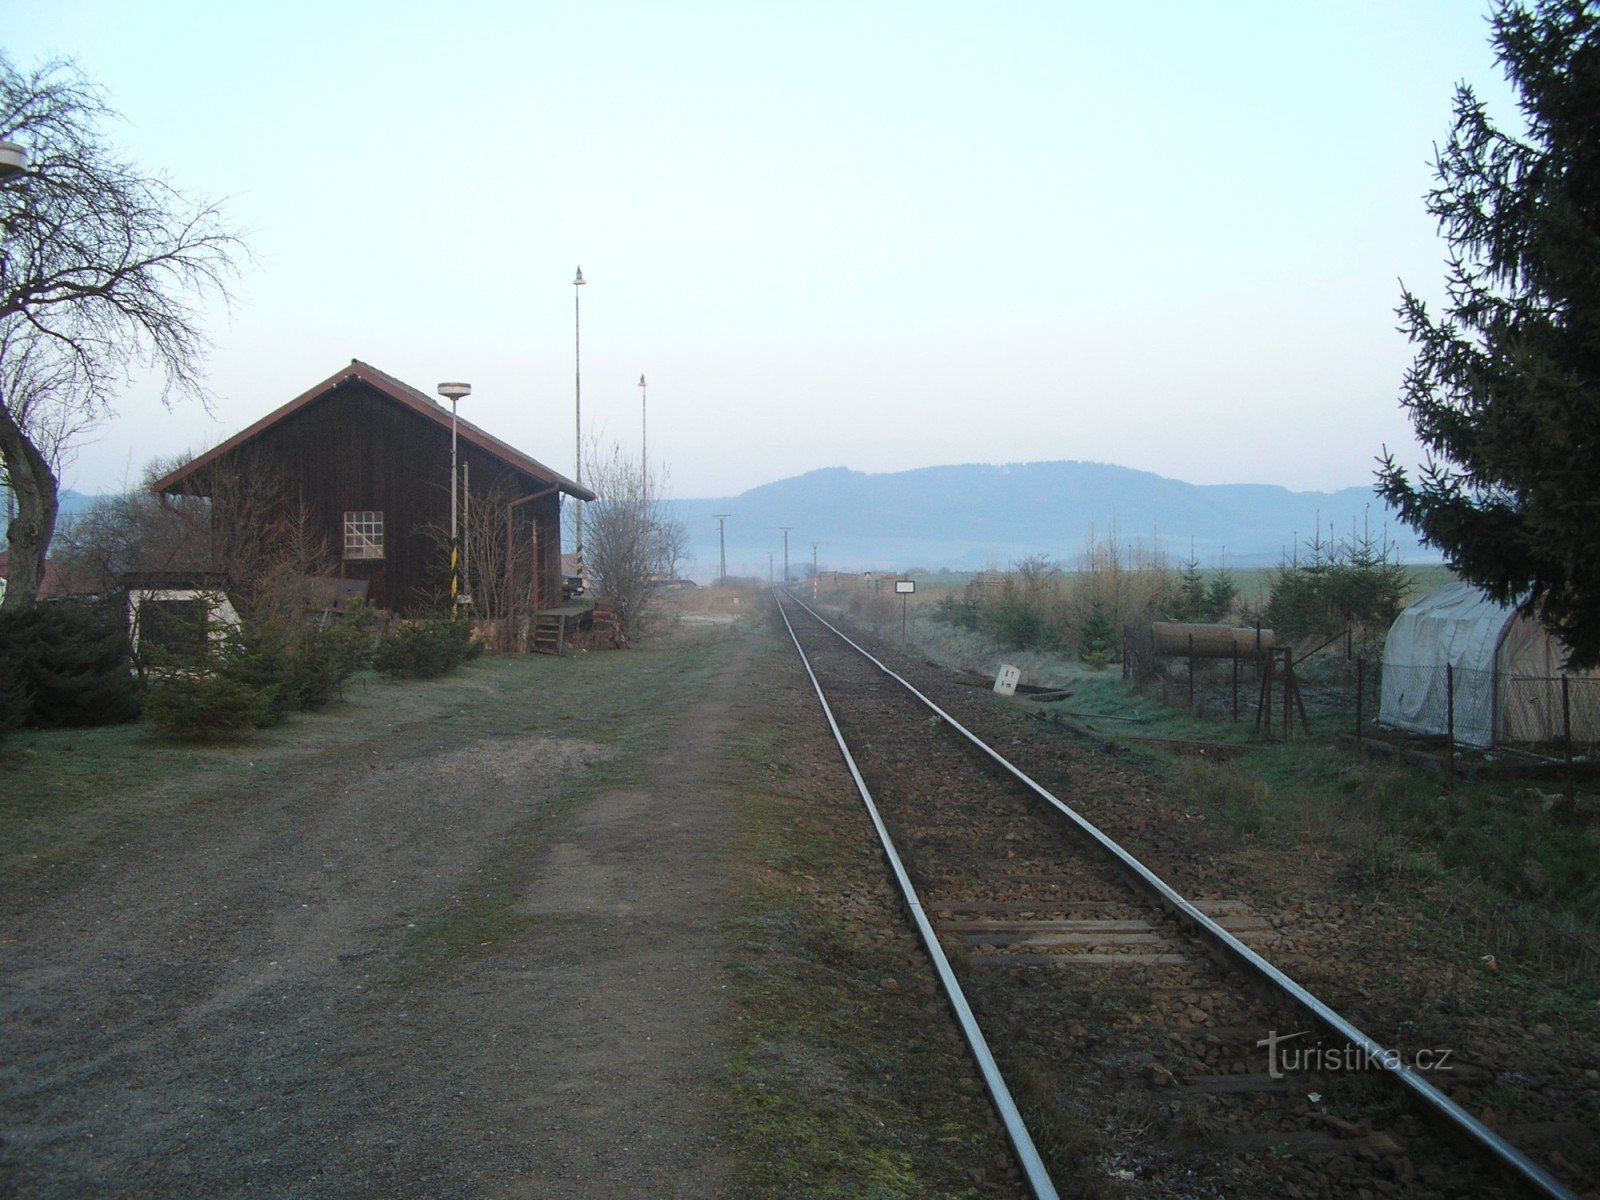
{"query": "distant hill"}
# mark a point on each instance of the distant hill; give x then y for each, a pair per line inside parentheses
(974, 516)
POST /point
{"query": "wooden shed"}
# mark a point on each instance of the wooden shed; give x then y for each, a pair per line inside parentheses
(362, 461)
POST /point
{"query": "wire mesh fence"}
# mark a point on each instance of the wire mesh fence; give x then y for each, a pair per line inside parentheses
(1484, 708)
(1343, 689)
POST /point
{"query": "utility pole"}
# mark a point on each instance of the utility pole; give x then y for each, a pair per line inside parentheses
(786, 529)
(814, 571)
(722, 546)
(577, 408)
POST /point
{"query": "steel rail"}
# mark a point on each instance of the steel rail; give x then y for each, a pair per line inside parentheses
(1503, 1153)
(999, 1093)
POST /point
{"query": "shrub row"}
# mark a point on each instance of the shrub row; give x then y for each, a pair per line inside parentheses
(254, 676)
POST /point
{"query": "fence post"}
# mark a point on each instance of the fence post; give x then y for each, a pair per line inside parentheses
(1361, 663)
(1264, 707)
(1566, 726)
(1449, 725)
(1288, 699)
(1191, 672)
(1236, 683)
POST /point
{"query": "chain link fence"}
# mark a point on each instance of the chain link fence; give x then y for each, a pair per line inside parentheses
(1338, 689)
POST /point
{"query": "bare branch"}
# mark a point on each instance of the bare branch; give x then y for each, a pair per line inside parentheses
(102, 270)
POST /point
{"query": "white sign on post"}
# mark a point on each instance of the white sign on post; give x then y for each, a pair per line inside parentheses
(905, 586)
(1006, 682)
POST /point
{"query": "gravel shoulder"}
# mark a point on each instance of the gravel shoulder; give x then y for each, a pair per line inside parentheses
(441, 963)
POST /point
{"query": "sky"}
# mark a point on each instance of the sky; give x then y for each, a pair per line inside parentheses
(1169, 236)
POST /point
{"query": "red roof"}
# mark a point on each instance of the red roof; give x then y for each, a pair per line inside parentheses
(401, 393)
(56, 583)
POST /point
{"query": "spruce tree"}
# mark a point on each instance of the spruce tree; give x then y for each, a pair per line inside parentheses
(1504, 390)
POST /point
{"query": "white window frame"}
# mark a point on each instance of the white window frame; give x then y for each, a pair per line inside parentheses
(363, 535)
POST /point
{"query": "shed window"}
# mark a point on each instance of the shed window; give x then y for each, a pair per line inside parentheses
(363, 535)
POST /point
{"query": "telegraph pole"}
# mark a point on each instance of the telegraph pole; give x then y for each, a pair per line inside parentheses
(786, 529)
(722, 545)
(577, 405)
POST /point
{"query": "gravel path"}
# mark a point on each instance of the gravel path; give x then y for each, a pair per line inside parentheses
(216, 1010)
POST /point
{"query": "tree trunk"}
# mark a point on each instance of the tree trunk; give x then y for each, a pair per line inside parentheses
(35, 487)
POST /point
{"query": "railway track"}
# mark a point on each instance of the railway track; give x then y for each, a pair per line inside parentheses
(1125, 1032)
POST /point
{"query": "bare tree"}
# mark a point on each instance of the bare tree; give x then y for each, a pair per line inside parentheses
(629, 541)
(137, 531)
(246, 528)
(101, 267)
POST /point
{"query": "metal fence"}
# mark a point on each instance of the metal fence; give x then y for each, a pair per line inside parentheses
(1485, 708)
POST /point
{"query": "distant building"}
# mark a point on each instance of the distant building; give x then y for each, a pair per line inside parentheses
(364, 460)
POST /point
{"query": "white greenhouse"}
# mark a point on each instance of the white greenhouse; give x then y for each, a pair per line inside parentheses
(1505, 671)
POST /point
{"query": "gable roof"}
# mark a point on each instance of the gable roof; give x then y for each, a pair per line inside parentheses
(403, 394)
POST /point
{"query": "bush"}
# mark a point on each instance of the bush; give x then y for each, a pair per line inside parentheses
(204, 708)
(15, 702)
(1097, 640)
(69, 666)
(1352, 582)
(424, 649)
(958, 610)
(256, 656)
(322, 659)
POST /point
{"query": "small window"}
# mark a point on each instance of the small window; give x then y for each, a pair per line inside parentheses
(363, 535)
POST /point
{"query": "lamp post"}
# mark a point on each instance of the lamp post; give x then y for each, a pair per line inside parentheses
(13, 159)
(786, 529)
(577, 407)
(722, 546)
(454, 392)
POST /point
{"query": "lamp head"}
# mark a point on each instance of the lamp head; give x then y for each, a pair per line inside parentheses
(13, 159)
(641, 381)
(455, 391)
(578, 282)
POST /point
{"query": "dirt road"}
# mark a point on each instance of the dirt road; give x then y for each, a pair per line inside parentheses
(233, 1003)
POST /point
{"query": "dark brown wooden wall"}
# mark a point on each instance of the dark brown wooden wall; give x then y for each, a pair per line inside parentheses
(355, 450)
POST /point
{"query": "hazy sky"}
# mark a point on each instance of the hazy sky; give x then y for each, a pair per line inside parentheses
(882, 236)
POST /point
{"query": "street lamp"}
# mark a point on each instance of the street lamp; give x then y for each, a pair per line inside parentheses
(454, 392)
(13, 159)
(577, 402)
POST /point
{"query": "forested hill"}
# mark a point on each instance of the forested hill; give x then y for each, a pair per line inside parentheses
(973, 516)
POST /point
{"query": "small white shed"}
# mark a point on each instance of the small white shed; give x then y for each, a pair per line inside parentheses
(1507, 673)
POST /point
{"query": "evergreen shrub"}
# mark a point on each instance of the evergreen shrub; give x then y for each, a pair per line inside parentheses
(67, 665)
(206, 707)
(425, 649)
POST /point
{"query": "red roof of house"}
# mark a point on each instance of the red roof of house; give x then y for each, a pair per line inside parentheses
(56, 583)
(401, 393)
